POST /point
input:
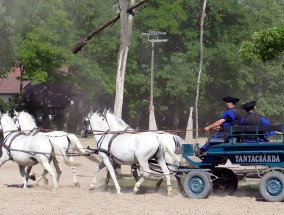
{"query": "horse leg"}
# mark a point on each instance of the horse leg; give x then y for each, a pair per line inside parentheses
(158, 184)
(52, 172)
(166, 172)
(112, 174)
(145, 172)
(74, 172)
(94, 180)
(57, 168)
(107, 179)
(135, 172)
(24, 176)
(169, 161)
(32, 177)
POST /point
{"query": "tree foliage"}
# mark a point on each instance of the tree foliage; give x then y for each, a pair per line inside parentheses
(6, 39)
(265, 45)
(43, 32)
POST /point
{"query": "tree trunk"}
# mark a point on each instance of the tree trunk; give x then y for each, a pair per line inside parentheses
(176, 116)
(200, 66)
(66, 118)
(45, 118)
(125, 38)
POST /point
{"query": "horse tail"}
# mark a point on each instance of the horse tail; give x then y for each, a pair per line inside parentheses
(79, 147)
(59, 152)
(168, 149)
(178, 141)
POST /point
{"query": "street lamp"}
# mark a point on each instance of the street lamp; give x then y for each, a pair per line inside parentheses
(153, 37)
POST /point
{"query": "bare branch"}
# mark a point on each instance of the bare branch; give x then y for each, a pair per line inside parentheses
(86, 39)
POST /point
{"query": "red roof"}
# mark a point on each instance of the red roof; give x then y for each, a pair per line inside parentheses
(11, 85)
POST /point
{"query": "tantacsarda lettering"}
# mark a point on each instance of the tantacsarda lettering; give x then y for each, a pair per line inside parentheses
(257, 158)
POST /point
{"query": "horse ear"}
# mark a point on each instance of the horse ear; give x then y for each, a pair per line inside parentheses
(15, 112)
(105, 112)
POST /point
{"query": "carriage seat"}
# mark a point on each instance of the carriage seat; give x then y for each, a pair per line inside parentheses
(252, 131)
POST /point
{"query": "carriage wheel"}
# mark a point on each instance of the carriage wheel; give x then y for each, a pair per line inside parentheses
(226, 183)
(197, 184)
(271, 187)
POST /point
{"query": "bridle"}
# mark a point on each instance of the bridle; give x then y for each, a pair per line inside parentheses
(33, 132)
(9, 136)
(87, 129)
(103, 134)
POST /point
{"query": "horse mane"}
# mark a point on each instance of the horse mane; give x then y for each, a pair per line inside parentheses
(27, 118)
(118, 119)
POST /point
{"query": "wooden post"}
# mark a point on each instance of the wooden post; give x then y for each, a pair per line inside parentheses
(189, 128)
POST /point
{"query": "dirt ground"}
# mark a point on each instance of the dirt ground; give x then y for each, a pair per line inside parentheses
(79, 200)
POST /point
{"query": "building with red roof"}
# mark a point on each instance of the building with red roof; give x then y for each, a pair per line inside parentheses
(57, 96)
(11, 85)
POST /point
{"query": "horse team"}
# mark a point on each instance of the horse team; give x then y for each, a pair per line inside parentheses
(117, 144)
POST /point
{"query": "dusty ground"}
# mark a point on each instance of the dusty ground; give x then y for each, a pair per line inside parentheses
(79, 200)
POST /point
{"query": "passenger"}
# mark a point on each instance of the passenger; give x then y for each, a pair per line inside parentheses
(252, 118)
(232, 116)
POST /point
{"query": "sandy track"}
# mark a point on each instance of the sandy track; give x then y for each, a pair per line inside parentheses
(79, 200)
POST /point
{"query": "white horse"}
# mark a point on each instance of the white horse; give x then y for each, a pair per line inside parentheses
(67, 143)
(27, 151)
(126, 149)
(173, 142)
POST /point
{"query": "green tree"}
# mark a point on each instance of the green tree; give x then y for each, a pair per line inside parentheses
(265, 45)
(47, 30)
(6, 40)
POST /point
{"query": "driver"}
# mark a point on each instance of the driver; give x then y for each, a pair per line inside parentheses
(232, 116)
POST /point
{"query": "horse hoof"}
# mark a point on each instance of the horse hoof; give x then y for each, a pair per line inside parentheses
(170, 194)
(32, 177)
(135, 190)
(46, 181)
(91, 187)
(77, 184)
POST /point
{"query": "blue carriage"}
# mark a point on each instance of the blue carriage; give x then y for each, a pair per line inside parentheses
(205, 175)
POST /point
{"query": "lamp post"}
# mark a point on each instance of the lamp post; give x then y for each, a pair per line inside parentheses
(153, 37)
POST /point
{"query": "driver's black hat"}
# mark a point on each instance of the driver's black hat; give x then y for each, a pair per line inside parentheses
(248, 105)
(231, 99)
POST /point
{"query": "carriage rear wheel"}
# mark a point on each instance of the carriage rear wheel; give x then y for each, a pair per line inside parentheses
(226, 183)
(197, 184)
(271, 186)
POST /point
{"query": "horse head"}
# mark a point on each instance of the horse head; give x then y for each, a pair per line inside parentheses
(26, 121)
(94, 122)
(98, 122)
(6, 123)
